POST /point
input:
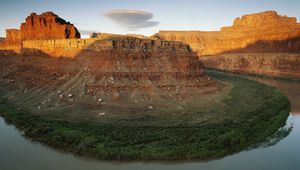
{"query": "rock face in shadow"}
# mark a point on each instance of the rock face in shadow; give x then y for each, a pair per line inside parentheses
(282, 65)
(249, 30)
(47, 26)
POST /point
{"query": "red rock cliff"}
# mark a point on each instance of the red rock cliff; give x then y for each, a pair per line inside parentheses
(38, 27)
(13, 36)
(47, 26)
(12, 40)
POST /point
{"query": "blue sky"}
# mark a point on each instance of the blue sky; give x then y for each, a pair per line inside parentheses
(171, 14)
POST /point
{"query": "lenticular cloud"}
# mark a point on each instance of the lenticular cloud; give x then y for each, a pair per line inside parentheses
(131, 19)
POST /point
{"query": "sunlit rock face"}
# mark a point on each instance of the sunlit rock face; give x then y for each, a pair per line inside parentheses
(12, 40)
(259, 21)
(47, 26)
(13, 36)
(254, 33)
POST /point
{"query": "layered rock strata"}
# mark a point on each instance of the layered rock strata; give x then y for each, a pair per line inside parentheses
(282, 65)
(112, 79)
(106, 78)
(263, 43)
(254, 33)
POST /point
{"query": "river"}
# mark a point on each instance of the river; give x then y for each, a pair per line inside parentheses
(19, 153)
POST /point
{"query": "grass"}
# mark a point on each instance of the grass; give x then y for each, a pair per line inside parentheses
(251, 114)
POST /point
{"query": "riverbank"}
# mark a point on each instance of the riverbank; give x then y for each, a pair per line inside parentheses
(251, 113)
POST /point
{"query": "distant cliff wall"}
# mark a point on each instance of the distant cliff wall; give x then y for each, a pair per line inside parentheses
(271, 64)
(263, 43)
(254, 33)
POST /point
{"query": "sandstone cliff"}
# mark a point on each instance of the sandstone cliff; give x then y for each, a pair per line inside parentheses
(254, 33)
(47, 26)
(259, 43)
(12, 41)
(272, 64)
(13, 36)
(71, 48)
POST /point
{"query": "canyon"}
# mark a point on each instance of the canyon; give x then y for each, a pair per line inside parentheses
(254, 36)
(125, 76)
(128, 97)
(266, 42)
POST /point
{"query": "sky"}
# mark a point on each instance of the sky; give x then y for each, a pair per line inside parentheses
(142, 16)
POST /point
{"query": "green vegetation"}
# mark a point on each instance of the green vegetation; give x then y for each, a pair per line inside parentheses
(256, 112)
